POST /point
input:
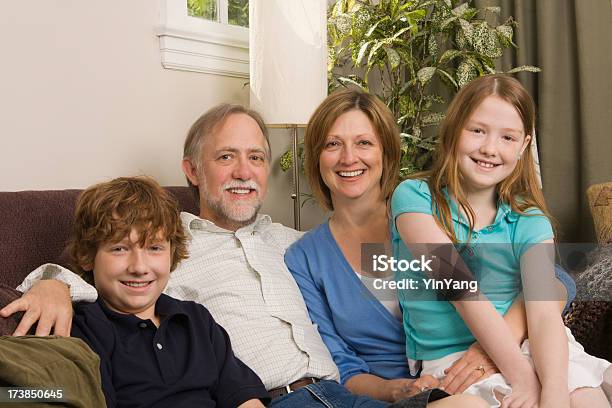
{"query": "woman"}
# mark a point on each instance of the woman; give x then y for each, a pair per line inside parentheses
(352, 163)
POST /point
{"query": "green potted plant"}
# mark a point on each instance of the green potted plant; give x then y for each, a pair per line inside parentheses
(414, 55)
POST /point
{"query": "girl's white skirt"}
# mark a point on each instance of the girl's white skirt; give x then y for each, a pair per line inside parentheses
(584, 371)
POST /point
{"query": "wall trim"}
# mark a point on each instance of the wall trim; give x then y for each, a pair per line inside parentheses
(193, 44)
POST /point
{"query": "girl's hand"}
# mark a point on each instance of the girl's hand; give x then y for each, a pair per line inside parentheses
(474, 366)
(525, 394)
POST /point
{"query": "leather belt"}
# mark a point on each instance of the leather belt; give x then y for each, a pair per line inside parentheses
(294, 386)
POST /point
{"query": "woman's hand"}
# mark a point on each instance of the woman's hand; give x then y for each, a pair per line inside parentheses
(474, 366)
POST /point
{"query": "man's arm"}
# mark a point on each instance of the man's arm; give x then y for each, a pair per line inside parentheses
(48, 291)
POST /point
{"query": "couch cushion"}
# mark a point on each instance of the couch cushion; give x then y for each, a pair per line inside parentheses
(35, 226)
(8, 324)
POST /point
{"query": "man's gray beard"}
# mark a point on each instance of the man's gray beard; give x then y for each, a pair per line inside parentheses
(234, 215)
(224, 212)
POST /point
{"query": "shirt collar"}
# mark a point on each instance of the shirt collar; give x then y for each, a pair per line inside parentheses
(194, 223)
(504, 212)
(165, 307)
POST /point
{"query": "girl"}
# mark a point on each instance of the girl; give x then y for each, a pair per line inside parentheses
(483, 190)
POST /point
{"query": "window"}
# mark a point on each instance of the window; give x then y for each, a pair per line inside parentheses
(205, 36)
(234, 12)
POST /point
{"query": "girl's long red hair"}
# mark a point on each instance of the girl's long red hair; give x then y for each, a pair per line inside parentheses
(521, 189)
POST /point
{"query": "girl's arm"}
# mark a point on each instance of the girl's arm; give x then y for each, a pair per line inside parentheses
(462, 374)
(547, 337)
(480, 316)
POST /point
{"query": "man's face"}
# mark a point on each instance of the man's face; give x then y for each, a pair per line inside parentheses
(233, 177)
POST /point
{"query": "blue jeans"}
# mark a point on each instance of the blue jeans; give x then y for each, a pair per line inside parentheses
(330, 394)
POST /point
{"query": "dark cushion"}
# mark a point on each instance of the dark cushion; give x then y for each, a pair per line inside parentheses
(35, 226)
(590, 315)
(8, 324)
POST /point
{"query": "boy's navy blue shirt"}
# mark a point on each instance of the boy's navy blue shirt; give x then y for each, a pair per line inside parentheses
(186, 362)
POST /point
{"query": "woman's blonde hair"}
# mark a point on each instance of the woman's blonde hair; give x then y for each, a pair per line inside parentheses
(322, 121)
(521, 189)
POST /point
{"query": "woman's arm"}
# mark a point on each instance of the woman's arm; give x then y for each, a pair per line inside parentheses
(354, 371)
(479, 315)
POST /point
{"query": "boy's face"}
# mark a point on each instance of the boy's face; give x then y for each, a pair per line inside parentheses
(130, 278)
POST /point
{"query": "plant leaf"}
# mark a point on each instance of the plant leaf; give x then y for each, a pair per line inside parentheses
(400, 32)
(362, 51)
(506, 32)
(448, 76)
(459, 10)
(371, 30)
(524, 68)
(447, 22)
(449, 55)
(465, 73)
(343, 24)
(416, 14)
(425, 74)
(467, 29)
(347, 80)
(406, 5)
(394, 4)
(394, 58)
(432, 118)
(432, 45)
(373, 51)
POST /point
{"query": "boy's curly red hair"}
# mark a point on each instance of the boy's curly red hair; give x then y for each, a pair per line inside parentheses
(107, 212)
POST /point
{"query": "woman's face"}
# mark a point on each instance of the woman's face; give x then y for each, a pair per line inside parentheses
(351, 160)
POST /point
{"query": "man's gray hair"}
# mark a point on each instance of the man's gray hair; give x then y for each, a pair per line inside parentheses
(208, 123)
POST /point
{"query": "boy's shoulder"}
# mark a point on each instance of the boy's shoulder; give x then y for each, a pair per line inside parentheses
(169, 306)
(88, 311)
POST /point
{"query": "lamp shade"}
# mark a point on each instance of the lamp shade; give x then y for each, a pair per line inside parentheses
(288, 58)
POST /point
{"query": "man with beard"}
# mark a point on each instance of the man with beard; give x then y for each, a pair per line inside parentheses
(235, 268)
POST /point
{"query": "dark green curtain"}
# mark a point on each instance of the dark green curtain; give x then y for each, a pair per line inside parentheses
(571, 41)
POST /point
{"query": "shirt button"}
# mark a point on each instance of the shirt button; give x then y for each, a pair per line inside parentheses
(142, 325)
(475, 235)
(159, 346)
(489, 228)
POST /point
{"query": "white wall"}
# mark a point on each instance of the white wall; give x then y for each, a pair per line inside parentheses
(84, 98)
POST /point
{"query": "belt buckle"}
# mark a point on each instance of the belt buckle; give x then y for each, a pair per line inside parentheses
(288, 389)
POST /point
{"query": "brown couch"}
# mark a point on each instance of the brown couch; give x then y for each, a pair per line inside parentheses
(34, 227)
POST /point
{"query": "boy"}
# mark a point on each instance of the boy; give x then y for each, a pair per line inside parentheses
(155, 351)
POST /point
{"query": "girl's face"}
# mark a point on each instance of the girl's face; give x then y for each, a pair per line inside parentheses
(351, 160)
(489, 144)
